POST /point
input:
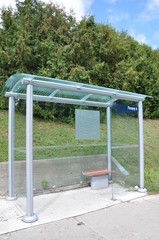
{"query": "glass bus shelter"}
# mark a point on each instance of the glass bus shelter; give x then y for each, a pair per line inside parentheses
(37, 88)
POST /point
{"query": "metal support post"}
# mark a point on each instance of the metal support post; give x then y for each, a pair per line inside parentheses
(141, 149)
(109, 162)
(30, 216)
(11, 196)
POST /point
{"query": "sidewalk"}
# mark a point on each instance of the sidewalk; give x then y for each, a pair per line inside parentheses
(84, 214)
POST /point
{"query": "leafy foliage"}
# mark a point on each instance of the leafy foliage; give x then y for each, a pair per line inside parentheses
(42, 39)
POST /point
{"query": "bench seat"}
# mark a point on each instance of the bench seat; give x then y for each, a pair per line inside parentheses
(99, 178)
(93, 173)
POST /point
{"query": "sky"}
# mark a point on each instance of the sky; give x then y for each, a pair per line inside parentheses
(139, 18)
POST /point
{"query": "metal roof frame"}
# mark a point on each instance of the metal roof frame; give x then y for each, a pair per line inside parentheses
(106, 96)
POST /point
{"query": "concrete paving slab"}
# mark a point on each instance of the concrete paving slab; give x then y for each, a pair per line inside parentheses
(135, 220)
(58, 206)
(154, 199)
(10, 216)
(67, 229)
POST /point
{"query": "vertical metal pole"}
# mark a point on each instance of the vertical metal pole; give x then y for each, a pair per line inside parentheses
(141, 148)
(109, 142)
(30, 216)
(11, 196)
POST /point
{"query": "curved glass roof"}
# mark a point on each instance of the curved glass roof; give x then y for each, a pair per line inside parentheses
(64, 91)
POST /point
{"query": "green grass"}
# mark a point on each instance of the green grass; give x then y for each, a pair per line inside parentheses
(53, 140)
(58, 140)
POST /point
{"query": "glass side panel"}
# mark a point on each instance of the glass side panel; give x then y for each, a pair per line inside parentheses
(125, 147)
(59, 158)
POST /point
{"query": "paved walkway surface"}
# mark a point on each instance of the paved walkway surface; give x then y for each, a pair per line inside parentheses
(84, 214)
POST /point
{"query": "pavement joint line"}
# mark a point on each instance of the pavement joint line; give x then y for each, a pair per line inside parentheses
(76, 219)
(19, 208)
(154, 202)
(88, 227)
(146, 197)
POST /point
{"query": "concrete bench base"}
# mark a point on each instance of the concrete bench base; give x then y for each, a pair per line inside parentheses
(99, 182)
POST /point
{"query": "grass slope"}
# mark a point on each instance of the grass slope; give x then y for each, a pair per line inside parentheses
(58, 140)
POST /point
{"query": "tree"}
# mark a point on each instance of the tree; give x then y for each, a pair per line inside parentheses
(39, 38)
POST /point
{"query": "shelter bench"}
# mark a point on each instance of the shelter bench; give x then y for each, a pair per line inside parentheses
(99, 178)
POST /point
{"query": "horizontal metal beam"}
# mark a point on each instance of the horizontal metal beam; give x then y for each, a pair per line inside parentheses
(81, 88)
(58, 100)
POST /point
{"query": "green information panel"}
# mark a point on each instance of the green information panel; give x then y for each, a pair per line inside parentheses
(87, 124)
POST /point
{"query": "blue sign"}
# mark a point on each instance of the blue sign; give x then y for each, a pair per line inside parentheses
(124, 109)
